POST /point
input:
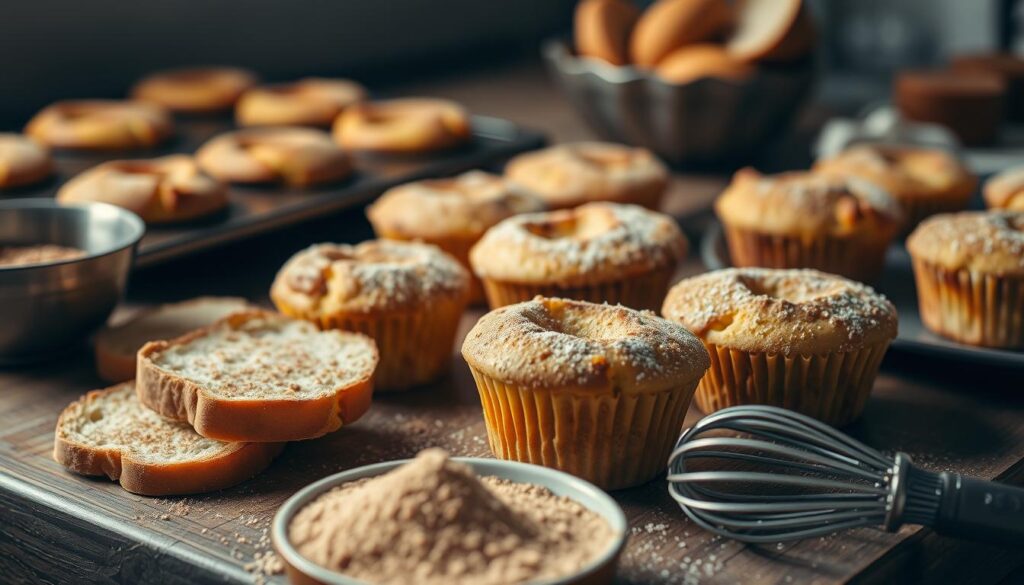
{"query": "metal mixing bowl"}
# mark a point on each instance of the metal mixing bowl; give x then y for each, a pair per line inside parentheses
(47, 308)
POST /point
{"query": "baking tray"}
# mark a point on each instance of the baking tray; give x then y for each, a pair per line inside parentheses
(256, 210)
(897, 283)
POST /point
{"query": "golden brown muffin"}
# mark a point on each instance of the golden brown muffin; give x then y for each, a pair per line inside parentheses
(800, 339)
(568, 175)
(22, 161)
(159, 190)
(403, 126)
(598, 252)
(771, 30)
(292, 155)
(669, 24)
(599, 391)
(1005, 190)
(841, 225)
(970, 103)
(602, 29)
(1007, 66)
(101, 125)
(969, 269)
(195, 90)
(924, 181)
(312, 101)
(451, 214)
(699, 61)
(407, 296)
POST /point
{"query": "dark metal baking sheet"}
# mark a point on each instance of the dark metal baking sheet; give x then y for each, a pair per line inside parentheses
(257, 210)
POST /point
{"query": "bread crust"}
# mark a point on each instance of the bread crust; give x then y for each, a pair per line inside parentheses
(234, 465)
(247, 420)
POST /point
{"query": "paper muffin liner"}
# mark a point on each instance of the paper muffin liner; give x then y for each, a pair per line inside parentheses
(973, 308)
(642, 291)
(456, 246)
(613, 440)
(831, 387)
(916, 209)
(860, 259)
(415, 346)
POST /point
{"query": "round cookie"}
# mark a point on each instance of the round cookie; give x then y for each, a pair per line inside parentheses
(571, 174)
(291, 155)
(194, 90)
(101, 125)
(670, 24)
(160, 190)
(602, 29)
(22, 161)
(402, 126)
(312, 101)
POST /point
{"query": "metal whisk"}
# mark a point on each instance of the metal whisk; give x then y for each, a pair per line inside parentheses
(775, 475)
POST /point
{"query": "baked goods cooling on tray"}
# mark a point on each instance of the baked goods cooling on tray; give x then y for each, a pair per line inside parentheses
(599, 391)
(1005, 190)
(259, 376)
(800, 339)
(290, 155)
(969, 269)
(407, 296)
(841, 225)
(402, 126)
(601, 29)
(598, 252)
(116, 347)
(450, 213)
(101, 125)
(312, 101)
(195, 90)
(568, 175)
(109, 433)
(22, 161)
(924, 181)
(160, 190)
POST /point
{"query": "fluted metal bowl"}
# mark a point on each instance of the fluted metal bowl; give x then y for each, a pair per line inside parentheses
(47, 308)
(706, 121)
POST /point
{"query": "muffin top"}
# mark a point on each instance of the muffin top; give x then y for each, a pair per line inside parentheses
(592, 243)
(581, 346)
(905, 172)
(781, 311)
(990, 242)
(371, 276)
(571, 174)
(465, 205)
(807, 203)
(1006, 190)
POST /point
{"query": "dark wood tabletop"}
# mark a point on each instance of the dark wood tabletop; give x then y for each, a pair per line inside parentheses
(56, 527)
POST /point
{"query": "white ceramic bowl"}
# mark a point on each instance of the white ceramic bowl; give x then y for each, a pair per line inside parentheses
(602, 570)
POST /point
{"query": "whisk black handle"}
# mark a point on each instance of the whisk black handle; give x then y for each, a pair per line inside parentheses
(981, 510)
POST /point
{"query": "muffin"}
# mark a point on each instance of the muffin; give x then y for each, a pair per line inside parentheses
(101, 125)
(800, 339)
(22, 161)
(403, 126)
(569, 175)
(313, 101)
(408, 297)
(598, 252)
(841, 225)
(599, 391)
(924, 181)
(1005, 190)
(450, 213)
(969, 269)
(195, 90)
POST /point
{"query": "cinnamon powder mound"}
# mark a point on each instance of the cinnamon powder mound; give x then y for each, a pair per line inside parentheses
(433, 521)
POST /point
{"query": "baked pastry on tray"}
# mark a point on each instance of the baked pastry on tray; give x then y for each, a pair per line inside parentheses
(22, 161)
(281, 154)
(101, 125)
(313, 101)
(194, 90)
(402, 126)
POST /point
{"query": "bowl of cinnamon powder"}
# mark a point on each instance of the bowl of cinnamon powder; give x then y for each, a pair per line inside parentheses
(437, 520)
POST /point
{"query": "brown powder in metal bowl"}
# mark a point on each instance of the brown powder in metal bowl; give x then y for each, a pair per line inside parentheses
(433, 521)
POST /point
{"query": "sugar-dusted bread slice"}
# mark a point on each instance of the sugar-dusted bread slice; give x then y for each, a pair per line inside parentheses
(259, 376)
(116, 347)
(108, 432)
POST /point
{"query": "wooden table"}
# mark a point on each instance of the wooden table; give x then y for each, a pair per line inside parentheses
(56, 527)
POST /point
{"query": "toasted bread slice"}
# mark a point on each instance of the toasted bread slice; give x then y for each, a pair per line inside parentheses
(259, 376)
(116, 347)
(108, 432)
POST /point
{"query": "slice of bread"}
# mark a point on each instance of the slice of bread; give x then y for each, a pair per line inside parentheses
(108, 432)
(259, 376)
(116, 347)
